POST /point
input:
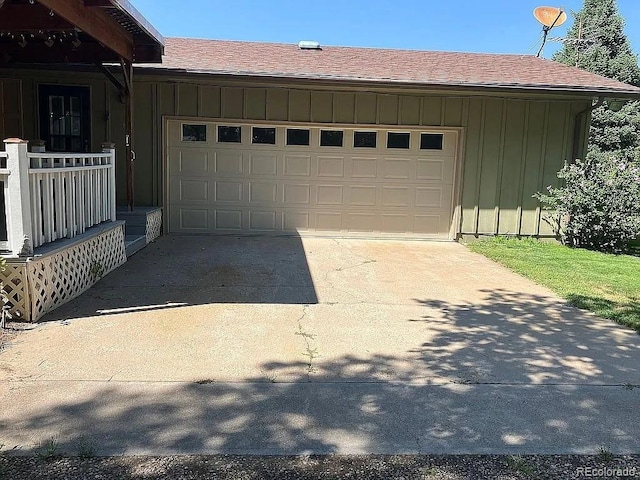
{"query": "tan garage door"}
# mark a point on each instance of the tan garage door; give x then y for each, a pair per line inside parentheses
(359, 181)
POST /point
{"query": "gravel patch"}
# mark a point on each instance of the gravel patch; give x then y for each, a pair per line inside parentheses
(240, 467)
(10, 332)
(7, 336)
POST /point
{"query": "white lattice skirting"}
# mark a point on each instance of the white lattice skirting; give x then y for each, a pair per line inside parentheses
(154, 225)
(41, 284)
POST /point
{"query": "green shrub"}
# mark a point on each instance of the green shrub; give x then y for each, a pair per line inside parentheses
(598, 206)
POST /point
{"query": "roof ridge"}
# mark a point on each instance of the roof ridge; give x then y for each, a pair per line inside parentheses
(352, 47)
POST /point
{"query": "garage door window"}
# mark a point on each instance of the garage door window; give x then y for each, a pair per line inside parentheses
(229, 134)
(331, 138)
(264, 136)
(398, 140)
(365, 139)
(297, 136)
(431, 141)
(194, 133)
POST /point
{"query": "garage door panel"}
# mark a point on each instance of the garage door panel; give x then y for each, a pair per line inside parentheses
(193, 191)
(363, 195)
(262, 221)
(189, 161)
(330, 195)
(228, 219)
(227, 191)
(293, 221)
(228, 162)
(192, 219)
(261, 193)
(428, 224)
(438, 170)
(396, 196)
(297, 165)
(331, 166)
(361, 222)
(296, 194)
(262, 164)
(396, 223)
(398, 169)
(189, 190)
(328, 221)
(433, 197)
(243, 188)
(364, 167)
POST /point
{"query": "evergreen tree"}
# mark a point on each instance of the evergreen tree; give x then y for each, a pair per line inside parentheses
(597, 43)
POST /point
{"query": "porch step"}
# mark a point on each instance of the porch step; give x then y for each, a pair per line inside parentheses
(136, 221)
(134, 229)
(134, 243)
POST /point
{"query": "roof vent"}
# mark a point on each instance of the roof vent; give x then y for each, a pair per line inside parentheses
(309, 45)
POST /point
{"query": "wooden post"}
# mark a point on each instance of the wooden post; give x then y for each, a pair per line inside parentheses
(110, 148)
(18, 204)
(127, 70)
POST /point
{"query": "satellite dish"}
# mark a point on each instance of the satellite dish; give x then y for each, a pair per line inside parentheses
(550, 17)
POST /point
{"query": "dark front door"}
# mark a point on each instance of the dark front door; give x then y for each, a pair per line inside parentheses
(64, 118)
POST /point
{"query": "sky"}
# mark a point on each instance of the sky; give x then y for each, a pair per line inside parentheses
(489, 26)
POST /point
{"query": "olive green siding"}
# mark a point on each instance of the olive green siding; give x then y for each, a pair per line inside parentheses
(107, 111)
(511, 146)
(513, 149)
(10, 108)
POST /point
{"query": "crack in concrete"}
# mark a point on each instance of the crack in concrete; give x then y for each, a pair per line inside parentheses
(364, 261)
(308, 338)
(351, 253)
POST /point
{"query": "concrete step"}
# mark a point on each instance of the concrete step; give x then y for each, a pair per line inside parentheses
(137, 217)
(134, 243)
(133, 229)
(135, 223)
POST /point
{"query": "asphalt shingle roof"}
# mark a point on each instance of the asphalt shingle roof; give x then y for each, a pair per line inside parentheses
(383, 66)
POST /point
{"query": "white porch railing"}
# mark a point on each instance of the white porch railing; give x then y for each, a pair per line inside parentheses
(49, 196)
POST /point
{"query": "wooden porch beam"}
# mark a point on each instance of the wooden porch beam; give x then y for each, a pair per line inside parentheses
(88, 53)
(97, 3)
(127, 73)
(112, 78)
(25, 18)
(58, 53)
(94, 23)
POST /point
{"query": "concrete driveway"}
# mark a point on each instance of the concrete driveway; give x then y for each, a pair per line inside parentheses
(289, 346)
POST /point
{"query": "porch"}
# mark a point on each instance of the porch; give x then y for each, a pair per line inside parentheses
(59, 229)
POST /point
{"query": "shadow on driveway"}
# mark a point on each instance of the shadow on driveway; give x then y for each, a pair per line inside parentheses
(258, 417)
(414, 348)
(177, 270)
(521, 384)
(526, 338)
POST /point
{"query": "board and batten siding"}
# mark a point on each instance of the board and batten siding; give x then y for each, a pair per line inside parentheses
(511, 148)
(11, 116)
(514, 148)
(107, 111)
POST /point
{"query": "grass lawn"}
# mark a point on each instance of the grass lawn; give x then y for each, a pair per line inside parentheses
(608, 285)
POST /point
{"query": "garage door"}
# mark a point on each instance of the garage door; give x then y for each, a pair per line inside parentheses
(230, 178)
